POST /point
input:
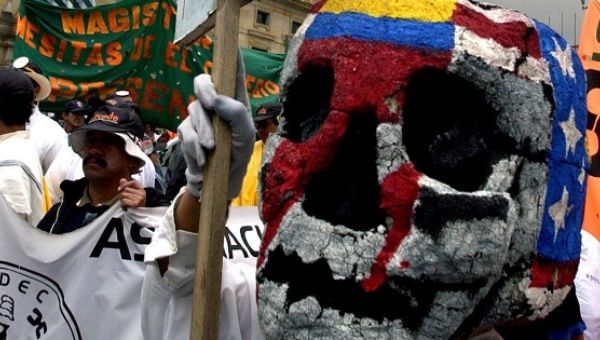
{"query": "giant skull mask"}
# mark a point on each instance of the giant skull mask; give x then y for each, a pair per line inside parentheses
(429, 176)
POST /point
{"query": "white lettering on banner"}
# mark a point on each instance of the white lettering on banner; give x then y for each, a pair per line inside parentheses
(243, 234)
(30, 303)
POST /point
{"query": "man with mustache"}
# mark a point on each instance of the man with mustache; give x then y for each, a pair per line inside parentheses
(68, 164)
(108, 147)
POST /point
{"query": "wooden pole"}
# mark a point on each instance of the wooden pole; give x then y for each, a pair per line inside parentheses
(209, 259)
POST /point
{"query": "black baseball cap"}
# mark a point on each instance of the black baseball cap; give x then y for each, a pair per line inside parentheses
(268, 110)
(76, 107)
(14, 82)
(121, 121)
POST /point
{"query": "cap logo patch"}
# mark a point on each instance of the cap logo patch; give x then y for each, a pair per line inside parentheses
(111, 118)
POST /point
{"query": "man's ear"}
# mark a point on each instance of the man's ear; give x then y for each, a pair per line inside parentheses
(133, 162)
(64, 115)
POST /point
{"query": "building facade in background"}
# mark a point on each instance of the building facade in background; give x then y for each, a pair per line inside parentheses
(265, 25)
(268, 25)
(8, 8)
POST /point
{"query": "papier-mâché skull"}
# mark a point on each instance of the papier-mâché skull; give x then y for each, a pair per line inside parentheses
(429, 175)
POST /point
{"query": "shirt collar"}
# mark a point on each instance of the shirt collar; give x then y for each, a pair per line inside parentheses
(21, 134)
(85, 199)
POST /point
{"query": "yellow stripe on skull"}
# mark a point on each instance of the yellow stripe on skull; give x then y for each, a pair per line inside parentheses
(419, 10)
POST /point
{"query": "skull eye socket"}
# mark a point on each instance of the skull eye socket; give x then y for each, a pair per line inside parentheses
(347, 192)
(449, 129)
(307, 103)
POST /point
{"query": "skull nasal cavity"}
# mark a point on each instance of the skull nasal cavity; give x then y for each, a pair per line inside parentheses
(347, 193)
(307, 103)
(449, 129)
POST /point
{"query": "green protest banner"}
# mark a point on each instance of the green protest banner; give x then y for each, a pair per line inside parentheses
(127, 46)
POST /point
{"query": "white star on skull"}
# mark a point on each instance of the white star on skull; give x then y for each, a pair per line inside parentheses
(572, 134)
(559, 211)
(564, 58)
(582, 175)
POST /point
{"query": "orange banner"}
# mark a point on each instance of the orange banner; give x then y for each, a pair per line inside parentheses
(589, 40)
(589, 52)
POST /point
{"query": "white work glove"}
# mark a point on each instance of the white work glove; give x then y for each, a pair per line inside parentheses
(197, 136)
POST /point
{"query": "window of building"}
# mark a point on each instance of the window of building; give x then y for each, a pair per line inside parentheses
(262, 17)
(295, 26)
(259, 49)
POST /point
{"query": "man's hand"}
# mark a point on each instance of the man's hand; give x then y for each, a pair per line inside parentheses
(132, 194)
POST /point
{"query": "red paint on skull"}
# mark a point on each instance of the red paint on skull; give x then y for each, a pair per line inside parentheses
(399, 192)
(552, 275)
(371, 77)
(513, 34)
(360, 84)
(290, 170)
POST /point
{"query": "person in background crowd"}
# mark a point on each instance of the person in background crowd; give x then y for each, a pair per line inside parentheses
(162, 143)
(267, 119)
(166, 136)
(123, 99)
(48, 136)
(172, 163)
(149, 148)
(124, 94)
(20, 170)
(150, 132)
(68, 165)
(74, 115)
(266, 123)
(175, 173)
